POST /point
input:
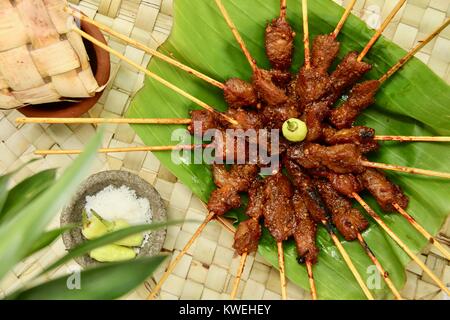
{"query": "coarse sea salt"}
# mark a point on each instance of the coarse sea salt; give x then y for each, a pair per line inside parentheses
(114, 203)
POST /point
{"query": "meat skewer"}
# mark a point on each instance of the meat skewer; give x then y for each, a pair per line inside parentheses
(306, 34)
(350, 224)
(362, 95)
(402, 245)
(320, 214)
(153, 75)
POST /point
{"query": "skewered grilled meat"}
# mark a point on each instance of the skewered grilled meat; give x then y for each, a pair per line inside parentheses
(278, 210)
(340, 158)
(361, 96)
(247, 236)
(345, 184)
(229, 146)
(202, 120)
(312, 85)
(275, 116)
(348, 71)
(239, 93)
(358, 135)
(384, 191)
(348, 220)
(313, 116)
(255, 204)
(230, 183)
(281, 78)
(247, 119)
(279, 43)
(267, 90)
(305, 230)
(307, 190)
(324, 50)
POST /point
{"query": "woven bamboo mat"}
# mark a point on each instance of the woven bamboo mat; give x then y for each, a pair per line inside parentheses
(208, 270)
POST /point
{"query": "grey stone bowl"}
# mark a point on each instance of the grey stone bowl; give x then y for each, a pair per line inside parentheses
(72, 212)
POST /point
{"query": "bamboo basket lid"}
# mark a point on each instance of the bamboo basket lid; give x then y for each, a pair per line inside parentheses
(41, 59)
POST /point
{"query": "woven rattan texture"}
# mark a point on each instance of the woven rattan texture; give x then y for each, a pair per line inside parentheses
(41, 59)
(207, 271)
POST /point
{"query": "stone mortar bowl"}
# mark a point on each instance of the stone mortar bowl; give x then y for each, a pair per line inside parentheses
(72, 212)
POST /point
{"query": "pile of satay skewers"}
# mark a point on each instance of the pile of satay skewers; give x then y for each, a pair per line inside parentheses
(324, 172)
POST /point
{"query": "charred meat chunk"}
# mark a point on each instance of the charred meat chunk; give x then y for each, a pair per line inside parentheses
(346, 184)
(312, 85)
(361, 96)
(278, 211)
(305, 230)
(266, 88)
(275, 116)
(340, 158)
(202, 120)
(384, 191)
(324, 50)
(313, 116)
(256, 199)
(348, 220)
(247, 236)
(348, 71)
(223, 200)
(247, 119)
(307, 190)
(239, 93)
(357, 135)
(279, 43)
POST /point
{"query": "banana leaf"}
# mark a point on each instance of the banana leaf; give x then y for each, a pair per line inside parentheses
(415, 101)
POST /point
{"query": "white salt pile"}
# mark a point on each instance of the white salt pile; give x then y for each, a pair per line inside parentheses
(120, 203)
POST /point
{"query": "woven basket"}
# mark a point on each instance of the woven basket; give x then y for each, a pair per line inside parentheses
(41, 59)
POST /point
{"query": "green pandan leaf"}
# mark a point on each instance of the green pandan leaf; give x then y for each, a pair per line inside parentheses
(414, 101)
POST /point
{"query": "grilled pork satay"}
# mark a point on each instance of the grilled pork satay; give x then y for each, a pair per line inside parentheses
(340, 158)
(314, 116)
(246, 238)
(348, 220)
(231, 183)
(279, 43)
(278, 211)
(307, 190)
(359, 135)
(256, 200)
(267, 90)
(239, 93)
(346, 184)
(305, 231)
(384, 191)
(361, 96)
(324, 51)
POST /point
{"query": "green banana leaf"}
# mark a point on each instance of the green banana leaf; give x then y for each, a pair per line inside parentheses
(104, 282)
(47, 238)
(414, 101)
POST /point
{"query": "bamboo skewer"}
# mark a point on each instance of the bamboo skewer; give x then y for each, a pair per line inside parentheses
(145, 48)
(412, 138)
(348, 260)
(312, 283)
(237, 36)
(174, 263)
(306, 34)
(379, 267)
(344, 17)
(392, 167)
(125, 149)
(283, 7)
(402, 245)
(422, 230)
(381, 29)
(282, 270)
(152, 75)
(413, 51)
(237, 280)
(105, 120)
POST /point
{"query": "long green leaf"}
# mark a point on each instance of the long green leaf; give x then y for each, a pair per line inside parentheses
(18, 234)
(26, 191)
(108, 238)
(415, 101)
(47, 238)
(105, 282)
